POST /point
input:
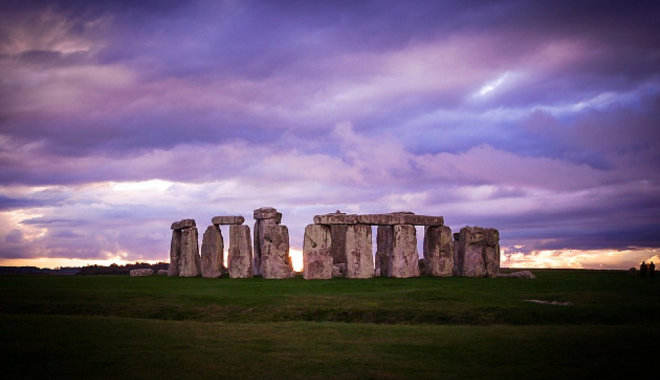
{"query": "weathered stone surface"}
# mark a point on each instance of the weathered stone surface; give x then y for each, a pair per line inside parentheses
(259, 227)
(317, 252)
(223, 220)
(267, 213)
(212, 256)
(359, 256)
(338, 244)
(477, 252)
(404, 259)
(275, 259)
(175, 254)
(384, 247)
(400, 218)
(265, 216)
(141, 272)
(240, 252)
(339, 270)
(519, 274)
(162, 272)
(336, 219)
(438, 251)
(189, 261)
(183, 223)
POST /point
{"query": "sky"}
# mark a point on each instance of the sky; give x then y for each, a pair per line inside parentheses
(538, 118)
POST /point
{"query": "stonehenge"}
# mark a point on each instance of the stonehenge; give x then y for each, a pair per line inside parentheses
(438, 252)
(317, 254)
(265, 216)
(476, 252)
(239, 260)
(359, 256)
(212, 247)
(335, 245)
(184, 249)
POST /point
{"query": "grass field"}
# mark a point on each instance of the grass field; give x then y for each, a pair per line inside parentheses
(161, 327)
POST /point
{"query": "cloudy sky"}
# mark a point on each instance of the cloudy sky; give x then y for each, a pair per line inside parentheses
(541, 119)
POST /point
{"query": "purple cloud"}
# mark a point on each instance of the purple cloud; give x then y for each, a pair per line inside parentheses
(534, 117)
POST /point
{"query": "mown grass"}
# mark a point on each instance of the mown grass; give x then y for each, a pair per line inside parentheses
(598, 297)
(160, 327)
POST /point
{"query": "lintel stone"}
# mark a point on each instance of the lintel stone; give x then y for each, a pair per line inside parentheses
(183, 223)
(267, 213)
(336, 219)
(400, 218)
(218, 220)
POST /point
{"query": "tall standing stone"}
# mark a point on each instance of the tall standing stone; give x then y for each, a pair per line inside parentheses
(240, 252)
(317, 252)
(359, 256)
(404, 260)
(264, 216)
(189, 261)
(275, 259)
(175, 254)
(338, 237)
(384, 246)
(438, 252)
(477, 252)
(212, 252)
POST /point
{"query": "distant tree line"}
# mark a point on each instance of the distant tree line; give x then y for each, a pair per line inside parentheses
(121, 269)
(86, 270)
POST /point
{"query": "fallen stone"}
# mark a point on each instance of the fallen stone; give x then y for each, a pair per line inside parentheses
(519, 274)
(141, 272)
(317, 252)
(183, 223)
(438, 252)
(224, 220)
(477, 252)
(404, 259)
(162, 272)
(555, 303)
(212, 252)
(338, 243)
(267, 213)
(384, 247)
(339, 270)
(275, 260)
(359, 256)
(240, 252)
(189, 261)
(175, 254)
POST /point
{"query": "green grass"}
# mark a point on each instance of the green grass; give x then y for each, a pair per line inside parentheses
(156, 327)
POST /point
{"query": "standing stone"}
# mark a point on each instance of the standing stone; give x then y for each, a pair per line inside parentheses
(212, 247)
(438, 252)
(240, 252)
(275, 259)
(477, 252)
(338, 237)
(189, 262)
(175, 254)
(405, 260)
(317, 252)
(384, 246)
(264, 216)
(359, 256)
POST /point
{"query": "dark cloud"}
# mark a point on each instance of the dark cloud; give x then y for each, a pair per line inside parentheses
(458, 108)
